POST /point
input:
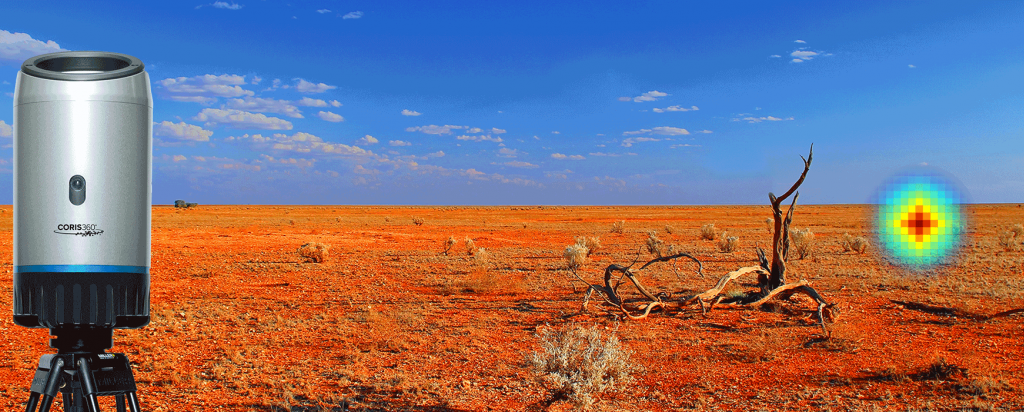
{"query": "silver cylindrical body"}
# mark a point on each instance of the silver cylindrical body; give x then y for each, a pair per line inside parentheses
(83, 124)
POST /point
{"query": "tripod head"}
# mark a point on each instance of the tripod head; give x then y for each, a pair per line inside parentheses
(82, 340)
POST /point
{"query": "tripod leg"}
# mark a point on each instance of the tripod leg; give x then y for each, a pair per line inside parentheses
(88, 385)
(133, 402)
(52, 383)
(33, 400)
(120, 403)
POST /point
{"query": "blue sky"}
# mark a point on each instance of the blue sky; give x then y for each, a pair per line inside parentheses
(355, 102)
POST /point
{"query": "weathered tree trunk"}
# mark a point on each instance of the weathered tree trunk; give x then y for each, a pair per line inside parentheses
(780, 239)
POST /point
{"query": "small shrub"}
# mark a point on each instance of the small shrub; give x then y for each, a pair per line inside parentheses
(578, 364)
(707, 232)
(654, 245)
(591, 243)
(1011, 239)
(860, 244)
(618, 227)
(575, 255)
(941, 370)
(728, 244)
(470, 246)
(314, 252)
(857, 244)
(417, 221)
(769, 224)
(448, 245)
(803, 242)
(669, 229)
(481, 257)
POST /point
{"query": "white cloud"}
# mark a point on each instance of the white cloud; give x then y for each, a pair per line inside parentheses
(632, 140)
(803, 54)
(367, 140)
(603, 154)
(703, 131)
(239, 119)
(646, 97)
(302, 143)
(407, 112)
(6, 130)
(662, 130)
(750, 119)
(475, 130)
(775, 56)
(559, 175)
(435, 129)
(331, 117)
(675, 109)
(560, 156)
(496, 130)
(256, 80)
(506, 152)
(179, 158)
(911, 66)
(226, 5)
(16, 47)
(288, 161)
(305, 101)
(796, 61)
(179, 131)
(676, 146)
(439, 153)
(480, 138)
(309, 87)
(353, 15)
(799, 41)
(257, 104)
(323, 11)
(399, 143)
(521, 164)
(556, 132)
(204, 89)
(335, 103)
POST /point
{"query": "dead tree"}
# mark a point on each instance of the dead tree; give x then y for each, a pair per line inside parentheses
(771, 278)
(771, 274)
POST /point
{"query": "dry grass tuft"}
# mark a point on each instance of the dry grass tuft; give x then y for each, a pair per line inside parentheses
(803, 242)
(448, 245)
(618, 227)
(1011, 240)
(591, 243)
(654, 245)
(314, 252)
(575, 255)
(857, 244)
(707, 232)
(578, 364)
(728, 244)
(481, 257)
(669, 229)
(470, 246)
(418, 221)
(769, 224)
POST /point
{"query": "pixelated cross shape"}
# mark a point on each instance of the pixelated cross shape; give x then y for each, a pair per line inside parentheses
(919, 223)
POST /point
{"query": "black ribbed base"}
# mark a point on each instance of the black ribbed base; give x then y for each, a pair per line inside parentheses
(81, 299)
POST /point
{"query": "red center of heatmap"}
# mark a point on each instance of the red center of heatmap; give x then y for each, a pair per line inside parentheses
(919, 223)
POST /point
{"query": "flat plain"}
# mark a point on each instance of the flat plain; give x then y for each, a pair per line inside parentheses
(240, 321)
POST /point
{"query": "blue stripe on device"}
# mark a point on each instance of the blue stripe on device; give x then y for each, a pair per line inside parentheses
(82, 268)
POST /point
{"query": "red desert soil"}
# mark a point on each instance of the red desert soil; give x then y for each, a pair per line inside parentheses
(387, 322)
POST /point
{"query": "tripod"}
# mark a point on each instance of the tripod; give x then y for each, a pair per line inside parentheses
(82, 372)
